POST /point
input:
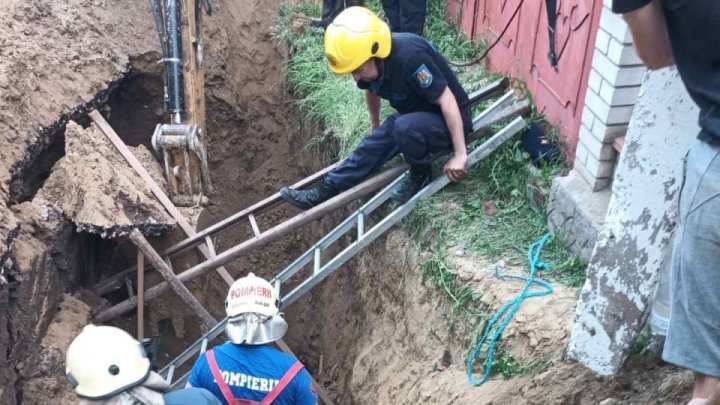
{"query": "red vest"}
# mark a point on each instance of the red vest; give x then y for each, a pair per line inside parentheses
(271, 396)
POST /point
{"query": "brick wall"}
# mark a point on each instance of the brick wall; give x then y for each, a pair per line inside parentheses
(613, 88)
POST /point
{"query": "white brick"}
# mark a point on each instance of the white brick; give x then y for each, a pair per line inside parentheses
(600, 168)
(622, 54)
(615, 26)
(630, 76)
(596, 147)
(602, 41)
(594, 183)
(619, 115)
(619, 96)
(600, 108)
(608, 132)
(616, 75)
(604, 66)
(581, 153)
(594, 80)
(588, 118)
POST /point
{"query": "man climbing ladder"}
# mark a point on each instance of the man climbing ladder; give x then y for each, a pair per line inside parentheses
(409, 72)
(246, 370)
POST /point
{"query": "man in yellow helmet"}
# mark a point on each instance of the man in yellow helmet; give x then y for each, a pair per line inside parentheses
(405, 69)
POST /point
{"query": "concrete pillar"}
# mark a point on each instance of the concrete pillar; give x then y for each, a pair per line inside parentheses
(613, 86)
(641, 217)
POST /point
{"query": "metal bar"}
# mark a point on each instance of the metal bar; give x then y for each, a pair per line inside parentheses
(170, 374)
(316, 262)
(141, 296)
(338, 232)
(110, 133)
(257, 208)
(360, 224)
(488, 91)
(266, 237)
(254, 225)
(499, 104)
(154, 258)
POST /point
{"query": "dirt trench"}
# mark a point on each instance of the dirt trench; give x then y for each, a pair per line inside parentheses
(372, 333)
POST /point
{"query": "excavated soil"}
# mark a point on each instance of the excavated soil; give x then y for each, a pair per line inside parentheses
(372, 333)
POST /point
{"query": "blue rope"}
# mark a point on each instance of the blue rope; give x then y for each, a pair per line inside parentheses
(509, 308)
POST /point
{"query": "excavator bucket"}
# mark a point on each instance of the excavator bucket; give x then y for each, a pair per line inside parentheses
(185, 139)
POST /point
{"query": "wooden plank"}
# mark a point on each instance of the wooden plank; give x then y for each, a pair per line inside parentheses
(141, 296)
(113, 282)
(110, 133)
(175, 284)
(266, 237)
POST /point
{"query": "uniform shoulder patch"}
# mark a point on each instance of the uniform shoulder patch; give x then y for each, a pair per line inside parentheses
(423, 76)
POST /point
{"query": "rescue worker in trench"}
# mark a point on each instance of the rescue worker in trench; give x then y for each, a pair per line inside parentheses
(409, 72)
(247, 370)
(107, 366)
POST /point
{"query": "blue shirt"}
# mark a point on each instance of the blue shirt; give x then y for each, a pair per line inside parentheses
(251, 372)
(414, 76)
(190, 396)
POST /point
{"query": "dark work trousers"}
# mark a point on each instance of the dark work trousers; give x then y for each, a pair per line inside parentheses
(331, 8)
(406, 15)
(416, 135)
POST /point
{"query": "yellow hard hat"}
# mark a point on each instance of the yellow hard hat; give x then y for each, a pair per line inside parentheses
(104, 361)
(355, 36)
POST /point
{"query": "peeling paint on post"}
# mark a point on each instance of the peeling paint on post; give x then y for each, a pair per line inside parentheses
(626, 260)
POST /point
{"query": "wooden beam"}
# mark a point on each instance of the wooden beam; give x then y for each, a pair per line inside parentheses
(110, 133)
(140, 296)
(114, 282)
(176, 285)
(266, 237)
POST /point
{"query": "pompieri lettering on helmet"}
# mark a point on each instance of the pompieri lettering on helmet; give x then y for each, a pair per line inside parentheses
(251, 290)
(249, 381)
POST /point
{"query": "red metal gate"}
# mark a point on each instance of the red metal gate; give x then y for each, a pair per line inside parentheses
(522, 52)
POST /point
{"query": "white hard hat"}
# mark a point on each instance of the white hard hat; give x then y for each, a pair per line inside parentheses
(251, 294)
(103, 361)
(253, 313)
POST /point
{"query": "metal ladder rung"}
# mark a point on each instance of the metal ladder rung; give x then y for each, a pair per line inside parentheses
(254, 225)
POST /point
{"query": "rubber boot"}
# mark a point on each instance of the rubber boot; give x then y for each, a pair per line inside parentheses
(306, 199)
(420, 176)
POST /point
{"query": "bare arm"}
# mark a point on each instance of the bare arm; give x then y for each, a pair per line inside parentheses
(373, 104)
(650, 35)
(455, 167)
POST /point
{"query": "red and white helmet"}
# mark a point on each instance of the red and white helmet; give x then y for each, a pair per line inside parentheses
(251, 294)
(252, 307)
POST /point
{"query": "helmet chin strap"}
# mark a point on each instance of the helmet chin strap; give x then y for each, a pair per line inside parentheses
(255, 329)
(380, 66)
